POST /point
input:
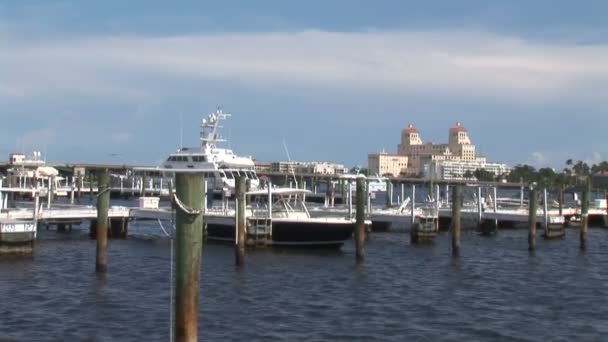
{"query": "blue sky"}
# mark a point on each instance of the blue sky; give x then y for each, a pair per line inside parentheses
(108, 81)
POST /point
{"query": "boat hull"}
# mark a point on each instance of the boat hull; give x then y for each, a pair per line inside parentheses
(285, 232)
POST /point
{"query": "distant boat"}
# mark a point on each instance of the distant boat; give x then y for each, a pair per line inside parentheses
(225, 165)
(375, 183)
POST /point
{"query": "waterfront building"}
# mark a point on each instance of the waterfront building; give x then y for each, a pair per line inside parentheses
(386, 164)
(449, 160)
(457, 169)
(326, 168)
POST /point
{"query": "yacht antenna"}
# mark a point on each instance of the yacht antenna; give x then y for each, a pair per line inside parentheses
(293, 173)
(181, 131)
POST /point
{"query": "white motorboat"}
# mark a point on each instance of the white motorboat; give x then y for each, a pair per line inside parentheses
(285, 222)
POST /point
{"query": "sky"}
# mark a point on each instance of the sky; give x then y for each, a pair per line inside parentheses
(125, 81)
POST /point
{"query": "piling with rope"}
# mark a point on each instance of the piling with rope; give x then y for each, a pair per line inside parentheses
(360, 218)
(103, 204)
(188, 250)
(240, 220)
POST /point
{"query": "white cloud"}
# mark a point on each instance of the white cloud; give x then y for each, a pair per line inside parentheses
(459, 63)
(538, 159)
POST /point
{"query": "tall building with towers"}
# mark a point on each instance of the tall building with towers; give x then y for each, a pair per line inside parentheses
(439, 161)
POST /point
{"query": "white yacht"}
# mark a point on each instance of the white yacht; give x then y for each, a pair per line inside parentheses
(209, 156)
(374, 183)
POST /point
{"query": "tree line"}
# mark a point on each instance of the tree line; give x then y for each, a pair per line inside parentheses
(573, 174)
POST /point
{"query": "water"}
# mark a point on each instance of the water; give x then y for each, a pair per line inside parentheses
(495, 291)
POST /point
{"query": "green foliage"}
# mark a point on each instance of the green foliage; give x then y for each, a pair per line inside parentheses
(574, 174)
(484, 175)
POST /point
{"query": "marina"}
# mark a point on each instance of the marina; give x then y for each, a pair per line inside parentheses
(207, 199)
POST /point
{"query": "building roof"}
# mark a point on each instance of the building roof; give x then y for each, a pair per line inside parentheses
(410, 129)
(458, 127)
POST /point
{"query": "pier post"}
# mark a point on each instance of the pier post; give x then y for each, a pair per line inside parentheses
(521, 197)
(545, 213)
(51, 192)
(456, 207)
(189, 246)
(91, 187)
(413, 205)
(103, 204)
(79, 186)
(332, 193)
(533, 201)
(560, 200)
(10, 197)
(240, 220)
(360, 219)
(72, 190)
(585, 216)
(495, 204)
(143, 185)
(479, 210)
(389, 193)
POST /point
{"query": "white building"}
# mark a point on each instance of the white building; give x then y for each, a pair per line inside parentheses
(309, 167)
(383, 163)
(456, 169)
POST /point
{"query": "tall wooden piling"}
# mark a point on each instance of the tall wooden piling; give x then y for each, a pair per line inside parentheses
(533, 201)
(103, 204)
(456, 207)
(360, 218)
(240, 220)
(189, 246)
(584, 216)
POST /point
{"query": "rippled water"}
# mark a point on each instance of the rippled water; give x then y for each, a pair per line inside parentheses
(495, 291)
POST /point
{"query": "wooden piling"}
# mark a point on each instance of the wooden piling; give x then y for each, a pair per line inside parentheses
(143, 185)
(189, 246)
(533, 201)
(389, 193)
(10, 197)
(545, 213)
(360, 219)
(584, 216)
(103, 204)
(240, 220)
(560, 200)
(456, 221)
(91, 187)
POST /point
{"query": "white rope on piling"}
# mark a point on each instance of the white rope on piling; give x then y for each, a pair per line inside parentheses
(160, 223)
(186, 209)
(102, 192)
